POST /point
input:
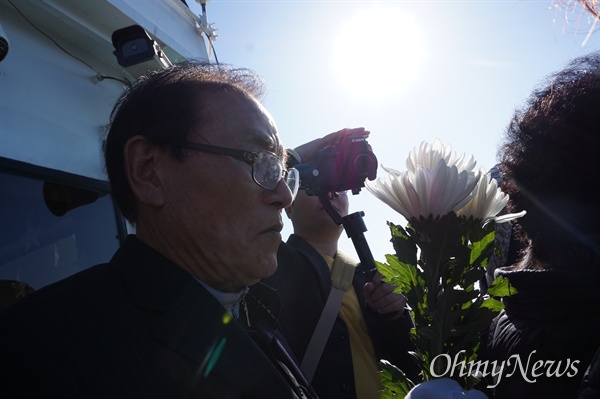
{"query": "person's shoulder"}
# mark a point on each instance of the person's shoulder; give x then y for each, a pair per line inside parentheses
(296, 251)
(347, 258)
(289, 261)
(285, 249)
(294, 243)
(58, 306)
(299, 266)
(96, 284)
(71, 287)
(83, 281)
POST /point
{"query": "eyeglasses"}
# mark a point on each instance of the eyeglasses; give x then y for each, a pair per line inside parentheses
(267, 167)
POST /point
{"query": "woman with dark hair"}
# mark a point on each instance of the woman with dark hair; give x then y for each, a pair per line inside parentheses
(547, 335)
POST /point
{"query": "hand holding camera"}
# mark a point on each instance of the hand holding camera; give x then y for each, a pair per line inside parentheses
(309, 150)
(337, 162)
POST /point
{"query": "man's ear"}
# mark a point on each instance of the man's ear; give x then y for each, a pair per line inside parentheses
(141, 159)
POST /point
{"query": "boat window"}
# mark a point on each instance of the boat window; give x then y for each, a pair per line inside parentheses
(50, 230)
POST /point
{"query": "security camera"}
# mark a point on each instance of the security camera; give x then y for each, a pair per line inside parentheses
(137, 52)
(4, 44)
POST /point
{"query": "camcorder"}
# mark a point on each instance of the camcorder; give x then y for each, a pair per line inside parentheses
(342, 167)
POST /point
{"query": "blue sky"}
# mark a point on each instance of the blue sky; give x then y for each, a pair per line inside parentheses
(407, 71)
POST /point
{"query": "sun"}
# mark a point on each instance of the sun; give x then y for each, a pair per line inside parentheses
(377, 52)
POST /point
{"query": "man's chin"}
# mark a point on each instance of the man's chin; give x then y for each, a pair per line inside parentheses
(271, 268)
(266, 269)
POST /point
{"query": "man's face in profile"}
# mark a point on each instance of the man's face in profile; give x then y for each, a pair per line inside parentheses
(225, 220)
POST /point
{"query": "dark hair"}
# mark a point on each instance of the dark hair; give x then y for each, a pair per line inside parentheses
(549, 161)
(166, 106)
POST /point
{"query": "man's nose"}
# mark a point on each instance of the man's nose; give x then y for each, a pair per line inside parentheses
(282, 196)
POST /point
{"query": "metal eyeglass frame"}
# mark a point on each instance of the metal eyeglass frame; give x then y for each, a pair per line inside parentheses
(288, 175)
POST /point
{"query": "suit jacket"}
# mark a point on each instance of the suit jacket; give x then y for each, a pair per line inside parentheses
(303, 281)
(137, 327)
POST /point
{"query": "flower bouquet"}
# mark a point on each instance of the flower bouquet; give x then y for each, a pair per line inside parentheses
(440, 257)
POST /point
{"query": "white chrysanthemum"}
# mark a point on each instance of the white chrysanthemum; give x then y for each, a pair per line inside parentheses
(487, 202)
(428, 156)
(425, 191)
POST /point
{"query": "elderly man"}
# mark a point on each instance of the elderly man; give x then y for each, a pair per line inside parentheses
(195, 163)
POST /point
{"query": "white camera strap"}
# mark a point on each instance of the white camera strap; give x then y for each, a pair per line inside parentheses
(342, 273)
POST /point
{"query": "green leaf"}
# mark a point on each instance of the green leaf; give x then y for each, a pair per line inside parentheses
(388, 271)
(492, 304)
(404, 245)
(396, 384)
(501, 287)
(482, 249)
(403, 275)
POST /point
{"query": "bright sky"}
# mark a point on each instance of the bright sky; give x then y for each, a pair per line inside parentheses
(407, 71)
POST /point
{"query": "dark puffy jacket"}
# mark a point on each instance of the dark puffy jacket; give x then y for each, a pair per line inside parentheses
(546, 335)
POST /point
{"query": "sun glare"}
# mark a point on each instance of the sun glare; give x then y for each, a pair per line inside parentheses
(377, 52)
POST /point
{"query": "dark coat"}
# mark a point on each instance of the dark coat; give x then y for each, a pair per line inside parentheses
(303, 281)
(590, 386)
(137, 327)
(554, 314)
